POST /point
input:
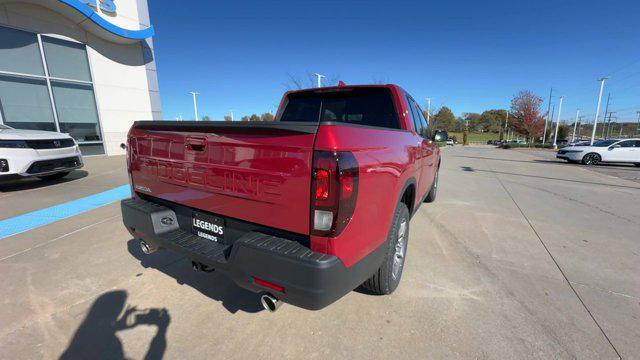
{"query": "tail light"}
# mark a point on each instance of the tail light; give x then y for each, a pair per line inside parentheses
(334, 191)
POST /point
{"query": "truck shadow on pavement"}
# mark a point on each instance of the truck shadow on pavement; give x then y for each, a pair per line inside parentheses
(212, 285)
(96, 337)
(36, 183)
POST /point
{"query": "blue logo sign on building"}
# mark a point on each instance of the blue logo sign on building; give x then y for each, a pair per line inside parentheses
(106, 6)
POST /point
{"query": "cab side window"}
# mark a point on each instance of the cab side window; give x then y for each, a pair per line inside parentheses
(627, 144)
(426, 131)
(415, 115)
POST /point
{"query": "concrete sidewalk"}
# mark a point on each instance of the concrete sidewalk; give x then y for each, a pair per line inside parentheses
(516, 259)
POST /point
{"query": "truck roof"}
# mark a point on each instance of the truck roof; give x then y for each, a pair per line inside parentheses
(328, 88)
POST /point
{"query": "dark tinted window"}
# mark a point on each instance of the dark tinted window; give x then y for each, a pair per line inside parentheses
(371, 107)
(415, 115)
(604, 143)
(426, 132)
(628, 143)
(301, 108)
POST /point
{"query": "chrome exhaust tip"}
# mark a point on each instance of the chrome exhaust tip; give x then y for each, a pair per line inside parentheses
(146, 248)
(270, 302)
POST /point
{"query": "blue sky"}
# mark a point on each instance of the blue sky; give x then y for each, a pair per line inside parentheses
(468, 55)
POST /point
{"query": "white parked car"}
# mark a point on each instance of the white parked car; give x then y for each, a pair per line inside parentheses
(44, 154)
(450, 142)
(617, 151)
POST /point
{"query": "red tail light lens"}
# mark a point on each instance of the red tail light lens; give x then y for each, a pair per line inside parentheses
(322, 184)
(335, 190)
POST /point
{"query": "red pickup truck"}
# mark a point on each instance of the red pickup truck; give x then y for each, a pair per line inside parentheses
(303, 209)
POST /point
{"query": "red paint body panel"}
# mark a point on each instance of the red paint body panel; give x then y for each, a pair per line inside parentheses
(265, 178)
(262, 178)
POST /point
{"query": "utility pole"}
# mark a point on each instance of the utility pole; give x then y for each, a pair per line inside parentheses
(195, 103)
(555, 137)
(621, 127)
(429, 111)
(553, 111)
(611, 117)
(319, 76)
(575, 125)
(595, 121)
(604, 119)
(544, 134)
(580, 126)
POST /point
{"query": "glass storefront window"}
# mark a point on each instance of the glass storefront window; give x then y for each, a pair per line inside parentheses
(76, 109)
(25, 103)
(65, 59)
(27, 90)
(19, 52)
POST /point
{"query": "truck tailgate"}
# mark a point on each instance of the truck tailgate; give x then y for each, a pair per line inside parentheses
(259, 173)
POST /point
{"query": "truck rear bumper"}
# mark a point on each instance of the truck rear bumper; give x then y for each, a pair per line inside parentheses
(309, 279)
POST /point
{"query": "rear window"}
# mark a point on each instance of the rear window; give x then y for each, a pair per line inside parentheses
(371, 107)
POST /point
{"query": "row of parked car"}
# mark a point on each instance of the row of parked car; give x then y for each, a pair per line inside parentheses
(602, 151)
(605, 151)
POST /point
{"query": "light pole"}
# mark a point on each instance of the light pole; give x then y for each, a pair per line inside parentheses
(195, 103)
(638, 127)
(319, 76)
(575, 125)
(555, 137)
(231, 111)
(595, 121)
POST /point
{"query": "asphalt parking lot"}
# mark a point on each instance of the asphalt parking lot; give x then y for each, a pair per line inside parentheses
(518, 258)
(622, 171)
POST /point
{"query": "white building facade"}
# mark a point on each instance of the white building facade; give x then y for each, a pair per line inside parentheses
(83, 67)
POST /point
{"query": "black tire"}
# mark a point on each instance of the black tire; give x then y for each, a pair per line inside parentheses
(55, 176)
(386, 279)
(591, 159)
(433, 192)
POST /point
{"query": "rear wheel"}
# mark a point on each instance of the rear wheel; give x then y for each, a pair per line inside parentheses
(387, 278)
(55, 176)
(591, 159)
(431, 196)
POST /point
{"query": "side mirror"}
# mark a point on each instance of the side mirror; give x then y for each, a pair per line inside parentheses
(439, 136)
(614, 147)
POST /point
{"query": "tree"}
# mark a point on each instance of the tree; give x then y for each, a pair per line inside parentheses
(266, 117)
(563, 132)
(206, 118)
(227, 118)
(311, 81)
(473, 119)
(254, 117)
(244, 118)
(492, 120)
(525, 114)
(444, 119)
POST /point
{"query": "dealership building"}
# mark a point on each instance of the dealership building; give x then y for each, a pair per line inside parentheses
(83, 67)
